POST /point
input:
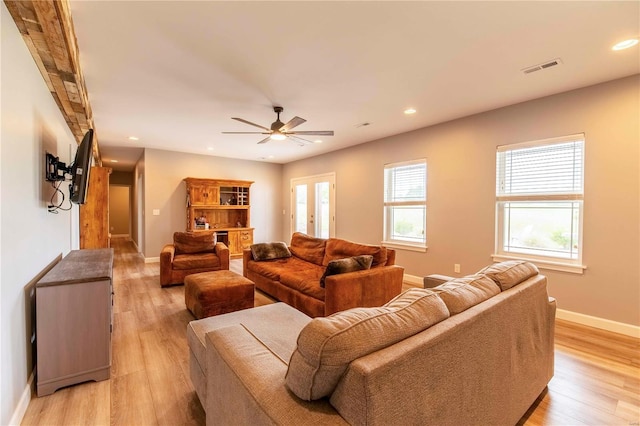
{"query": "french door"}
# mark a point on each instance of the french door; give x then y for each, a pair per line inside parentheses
(313, 205)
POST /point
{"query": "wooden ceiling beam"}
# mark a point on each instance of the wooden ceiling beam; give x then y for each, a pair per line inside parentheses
(47, 30)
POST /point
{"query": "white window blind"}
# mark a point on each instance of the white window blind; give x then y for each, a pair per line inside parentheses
(405, 200)
(549, 169)
(405, 182)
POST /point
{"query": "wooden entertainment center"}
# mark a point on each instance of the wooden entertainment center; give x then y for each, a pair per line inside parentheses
(221, 205)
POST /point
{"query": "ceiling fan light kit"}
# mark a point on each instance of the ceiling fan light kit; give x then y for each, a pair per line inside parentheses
(281, 131)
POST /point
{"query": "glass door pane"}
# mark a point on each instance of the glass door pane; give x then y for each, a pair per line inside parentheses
(312, 200)
(300, 215)
(322, 209)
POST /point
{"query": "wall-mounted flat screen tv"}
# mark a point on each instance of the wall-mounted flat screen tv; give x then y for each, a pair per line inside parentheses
(80, 170)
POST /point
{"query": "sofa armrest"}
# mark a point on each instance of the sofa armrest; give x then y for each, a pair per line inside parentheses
(246, 384)
(372, 287)
(222, 251)
(246, 257)
(166, 260)
(435, 280)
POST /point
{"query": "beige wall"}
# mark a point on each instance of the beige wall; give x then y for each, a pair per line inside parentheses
(164, 190)
(119, 209)
(31, 238)
(461, 191)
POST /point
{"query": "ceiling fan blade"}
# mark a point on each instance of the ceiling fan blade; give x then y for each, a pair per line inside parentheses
(299, 139)
(295, 121)
(265, 140)
(246, 133)
(314, 133)
(250, 123)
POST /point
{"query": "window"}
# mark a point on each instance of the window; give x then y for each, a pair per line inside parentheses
(405, 204)
(539, 196)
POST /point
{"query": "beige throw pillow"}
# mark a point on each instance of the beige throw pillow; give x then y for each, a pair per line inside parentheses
(327, 345)
(510, 273)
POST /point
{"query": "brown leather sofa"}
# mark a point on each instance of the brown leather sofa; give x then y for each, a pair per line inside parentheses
(191, 253)
(295, 280)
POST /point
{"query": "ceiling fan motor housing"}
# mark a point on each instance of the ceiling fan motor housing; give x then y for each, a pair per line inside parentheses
(277, 125)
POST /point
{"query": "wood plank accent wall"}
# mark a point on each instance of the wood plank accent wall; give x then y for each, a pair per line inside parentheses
(47, 29)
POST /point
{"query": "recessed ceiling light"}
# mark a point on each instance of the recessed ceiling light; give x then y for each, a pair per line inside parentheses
(409, 111)
(625, 44)
(271, 156)
(114, 161)
(133, 138)
(210, 148)
(317, 141)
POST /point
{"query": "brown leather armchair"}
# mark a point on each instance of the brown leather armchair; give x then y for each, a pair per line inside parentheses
(190, 253)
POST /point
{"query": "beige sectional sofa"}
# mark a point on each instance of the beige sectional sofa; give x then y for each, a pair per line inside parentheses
(473, 350)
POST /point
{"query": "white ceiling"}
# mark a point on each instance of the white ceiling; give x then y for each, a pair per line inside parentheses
(173, 73)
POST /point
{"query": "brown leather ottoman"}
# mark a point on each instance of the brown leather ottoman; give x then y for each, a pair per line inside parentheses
(213, 293)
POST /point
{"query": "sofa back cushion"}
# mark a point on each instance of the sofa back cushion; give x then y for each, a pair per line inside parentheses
(327, 345)
(339, 249)
(462, 293)
(308, 248)
(510, 273)
(349, 264)
(194, 242)
(269, 251)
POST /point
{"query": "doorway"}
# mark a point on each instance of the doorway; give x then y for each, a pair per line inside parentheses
(313, 205)
(120, 210)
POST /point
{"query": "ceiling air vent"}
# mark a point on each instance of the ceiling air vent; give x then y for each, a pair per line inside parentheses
(545, 65)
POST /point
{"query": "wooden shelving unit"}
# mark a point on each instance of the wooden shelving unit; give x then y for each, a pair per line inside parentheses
(223, 206)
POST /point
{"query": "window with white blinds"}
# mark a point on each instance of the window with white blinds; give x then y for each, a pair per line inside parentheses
(405, 203)
(539, 196)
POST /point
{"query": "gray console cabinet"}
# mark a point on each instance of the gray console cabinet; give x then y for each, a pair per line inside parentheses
(74, 320)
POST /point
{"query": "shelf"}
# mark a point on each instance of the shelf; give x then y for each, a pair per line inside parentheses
(223, 204)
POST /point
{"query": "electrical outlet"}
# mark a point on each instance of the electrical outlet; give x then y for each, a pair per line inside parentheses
(156, 212)
(456, 268)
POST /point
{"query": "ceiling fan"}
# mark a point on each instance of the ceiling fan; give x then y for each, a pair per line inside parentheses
(281, 131)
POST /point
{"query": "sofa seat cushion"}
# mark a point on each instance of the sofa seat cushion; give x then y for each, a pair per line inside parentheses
(306, 281)
(194, 242)
(340, 249)
(462, 293)
(283, 322)
(272, 269)
(510, 273)
(196, 261)
(308, 248)
(327, 345)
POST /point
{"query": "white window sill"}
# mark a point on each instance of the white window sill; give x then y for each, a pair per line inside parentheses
(544, 264)
(400, 246)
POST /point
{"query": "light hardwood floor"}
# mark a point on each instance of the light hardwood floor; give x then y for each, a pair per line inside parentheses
(596, 382)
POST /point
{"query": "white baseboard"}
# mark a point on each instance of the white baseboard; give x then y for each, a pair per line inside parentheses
(601, 323)
(582, 319)
(151, 259)
(23, 403)
(413, 280)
